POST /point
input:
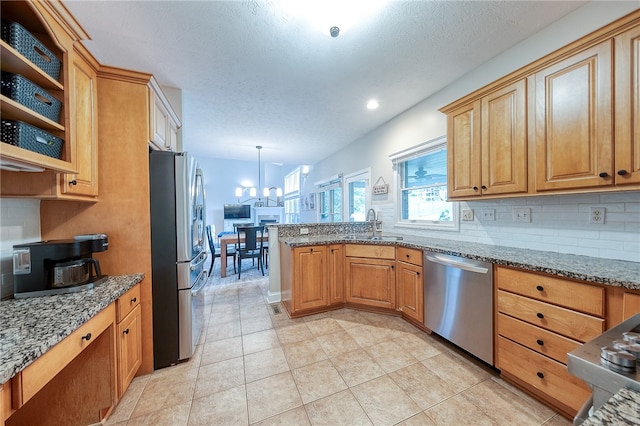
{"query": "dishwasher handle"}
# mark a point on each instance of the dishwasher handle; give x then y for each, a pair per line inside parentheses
(457, 262)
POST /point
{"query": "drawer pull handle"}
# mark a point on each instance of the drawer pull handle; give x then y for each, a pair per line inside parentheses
(540, 342)
(73, 182)
(126, 331)
(475, 188)
(540, 315)
(622, 172)
(539, 288)
(87, 337)
(603, 174)
(540, 374)
(134, 300)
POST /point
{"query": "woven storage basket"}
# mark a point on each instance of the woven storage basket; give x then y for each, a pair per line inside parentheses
(31, 48)
(30, 95)
(29, 137)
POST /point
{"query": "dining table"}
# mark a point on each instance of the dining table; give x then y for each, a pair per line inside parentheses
(227, 239)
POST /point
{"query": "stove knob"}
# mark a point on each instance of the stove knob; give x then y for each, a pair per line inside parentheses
(631, 337)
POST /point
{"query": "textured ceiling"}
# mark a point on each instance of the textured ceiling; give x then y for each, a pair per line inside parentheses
(253, 74)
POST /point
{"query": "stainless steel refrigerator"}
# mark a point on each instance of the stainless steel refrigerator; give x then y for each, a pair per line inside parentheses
(178, 255)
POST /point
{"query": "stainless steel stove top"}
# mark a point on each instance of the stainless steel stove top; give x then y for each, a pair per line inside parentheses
(586, 363)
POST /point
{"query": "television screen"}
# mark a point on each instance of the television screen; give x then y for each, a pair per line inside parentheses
(237, 211)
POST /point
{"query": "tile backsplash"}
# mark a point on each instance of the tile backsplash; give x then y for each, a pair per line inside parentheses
(19, 223)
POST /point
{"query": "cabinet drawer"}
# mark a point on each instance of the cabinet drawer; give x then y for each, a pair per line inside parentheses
(543, 373)
(538, 339)
(370, 250)
(127, 302)
(569, 323)
(580, 297)
(38, 374)
(409, 255)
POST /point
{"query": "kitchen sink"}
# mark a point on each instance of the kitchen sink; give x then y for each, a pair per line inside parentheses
(373, 238)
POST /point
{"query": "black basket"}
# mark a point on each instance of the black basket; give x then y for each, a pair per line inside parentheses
(30, 95)
(29, 137)
(31, 48)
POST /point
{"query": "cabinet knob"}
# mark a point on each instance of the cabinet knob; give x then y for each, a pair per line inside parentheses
(603, 174)
(540, 315)
(475, 188)
(540, 342)
(539, 288)
(73, 182)
(134, 300)
(408, 256)
(418, 273)
(393, 267)
(540, 374)
(622, 172)
(484, 187)
(126, 331)
(87, 337)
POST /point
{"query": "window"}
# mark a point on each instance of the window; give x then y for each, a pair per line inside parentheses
(330, 199)
(422, 182)
(292, 196)
(357, 191)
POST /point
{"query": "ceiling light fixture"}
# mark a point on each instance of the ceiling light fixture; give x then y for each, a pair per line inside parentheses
(253, 192)
(372, 104)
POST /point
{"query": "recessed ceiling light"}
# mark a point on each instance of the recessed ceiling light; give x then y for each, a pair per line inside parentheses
(372, 104)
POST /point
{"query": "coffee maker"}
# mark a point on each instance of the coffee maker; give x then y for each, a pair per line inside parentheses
(57, 266)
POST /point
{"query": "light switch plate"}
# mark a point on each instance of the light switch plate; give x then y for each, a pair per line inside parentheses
(522, 214)
(489, 214)
(467, 214)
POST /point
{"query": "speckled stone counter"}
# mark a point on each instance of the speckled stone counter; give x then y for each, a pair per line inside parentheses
(30, 327)
(617, 273)
(622, 409)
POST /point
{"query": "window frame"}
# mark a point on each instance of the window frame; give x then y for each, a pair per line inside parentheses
(329, 186)
(398, 159)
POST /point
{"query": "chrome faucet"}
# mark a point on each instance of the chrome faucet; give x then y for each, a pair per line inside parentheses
(376, 225)
(371, 215)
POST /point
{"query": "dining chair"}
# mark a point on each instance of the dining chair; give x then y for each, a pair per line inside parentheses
(252, 246)
(215, 250)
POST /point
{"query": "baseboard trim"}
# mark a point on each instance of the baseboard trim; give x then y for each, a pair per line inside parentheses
(273, 297)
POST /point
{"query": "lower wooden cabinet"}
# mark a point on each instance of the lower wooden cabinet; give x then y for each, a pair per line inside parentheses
(370, 277)
(539, 319)
(310, 278)
(410, 283)
(335, 273)
(129, 337)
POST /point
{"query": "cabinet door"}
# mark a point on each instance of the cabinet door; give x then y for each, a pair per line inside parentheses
(172, 141)
(335, 274)
(410, 290)
(159, 124)
(574, 126)
(463, 151)
(310, 278)
(627, 71)
(504, 140)
(129, 349)
(371, 282)
(84, 125)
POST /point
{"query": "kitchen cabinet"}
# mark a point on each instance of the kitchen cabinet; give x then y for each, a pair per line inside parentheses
(410, 282)
(41, 20)
(335, 274)
(304, 276)
(129, 337)
(539, 319)
(72, 383)
(627, 99)
(163, 121)
(630, 305)
(573, 121)
(487, 144)
(370, 278)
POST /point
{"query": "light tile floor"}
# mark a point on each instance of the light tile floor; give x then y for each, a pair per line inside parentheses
(345, 367)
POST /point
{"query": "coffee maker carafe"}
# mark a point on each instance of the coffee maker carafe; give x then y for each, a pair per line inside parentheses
(57, 266)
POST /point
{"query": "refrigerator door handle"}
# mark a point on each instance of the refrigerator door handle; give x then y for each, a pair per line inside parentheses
(201, 260)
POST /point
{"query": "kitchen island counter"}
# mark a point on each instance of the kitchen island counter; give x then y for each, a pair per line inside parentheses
(622, 408)
(610, 272)
(30, 327)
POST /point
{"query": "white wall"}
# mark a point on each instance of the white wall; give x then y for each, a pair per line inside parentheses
(559, 223)
(19, 223)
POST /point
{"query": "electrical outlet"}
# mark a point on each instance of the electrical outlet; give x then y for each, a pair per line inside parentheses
(304, 231)
(489, 214)
(467, 214)
(522, 214)
(596, 215)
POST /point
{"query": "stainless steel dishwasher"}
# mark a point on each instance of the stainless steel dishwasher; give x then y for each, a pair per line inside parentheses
(458, 302)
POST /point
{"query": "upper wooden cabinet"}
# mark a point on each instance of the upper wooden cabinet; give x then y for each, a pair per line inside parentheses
(573, 121)
(163, 121)
(487, 144)
(566, 123)
(627, 118)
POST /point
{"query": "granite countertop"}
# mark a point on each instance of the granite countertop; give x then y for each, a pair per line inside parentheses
(622, 409)
(30, 327)
(618, 273)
